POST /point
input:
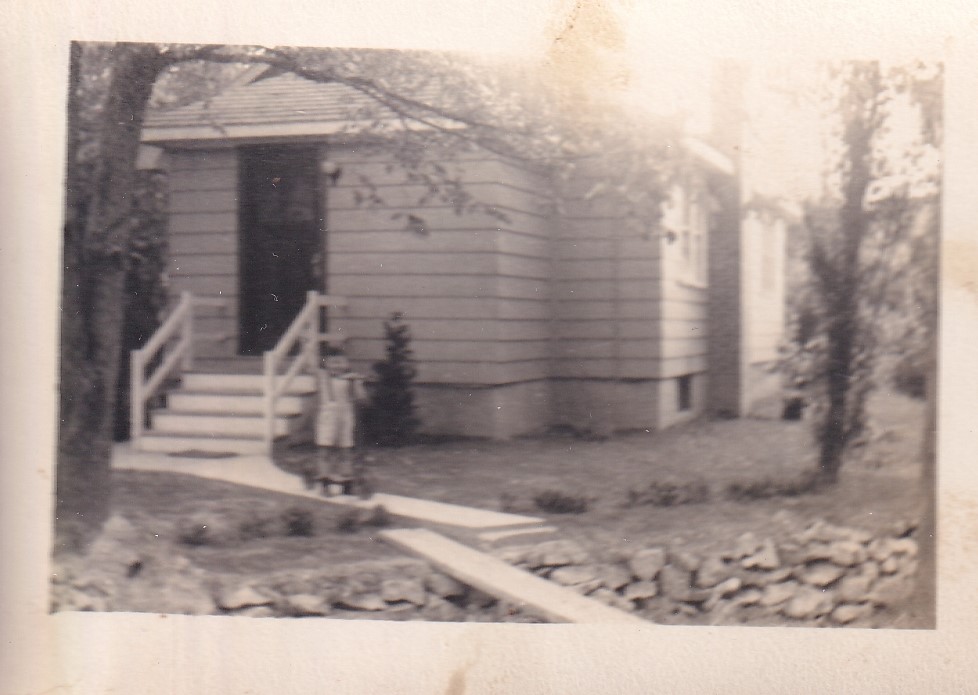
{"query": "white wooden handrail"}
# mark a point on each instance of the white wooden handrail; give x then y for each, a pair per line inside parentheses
(169, 327)
(168, 366)
(304, 328)
(142, 387)
(288, 338)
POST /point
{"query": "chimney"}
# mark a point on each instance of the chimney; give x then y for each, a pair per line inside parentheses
(728, 368)
(727, 107)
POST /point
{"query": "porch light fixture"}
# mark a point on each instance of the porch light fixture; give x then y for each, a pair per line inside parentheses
(331, 170)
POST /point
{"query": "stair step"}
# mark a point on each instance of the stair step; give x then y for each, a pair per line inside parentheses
(220, 424)
(178, 442)
(244, 403)
(237, 383)
(229, 365)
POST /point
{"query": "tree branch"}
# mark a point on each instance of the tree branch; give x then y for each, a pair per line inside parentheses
(404, 107)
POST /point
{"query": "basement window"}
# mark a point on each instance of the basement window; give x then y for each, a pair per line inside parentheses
(684, 392)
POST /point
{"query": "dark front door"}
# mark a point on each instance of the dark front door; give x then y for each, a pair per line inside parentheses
(281, 240)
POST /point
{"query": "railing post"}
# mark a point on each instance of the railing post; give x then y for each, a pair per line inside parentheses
(188, 330)
(312, 339)
(136, 400)
(269, 397)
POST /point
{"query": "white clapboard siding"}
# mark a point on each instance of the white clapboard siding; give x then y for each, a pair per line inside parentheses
(457, 282)
(203, 239)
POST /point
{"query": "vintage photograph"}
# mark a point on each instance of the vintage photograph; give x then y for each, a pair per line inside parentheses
(404, 335)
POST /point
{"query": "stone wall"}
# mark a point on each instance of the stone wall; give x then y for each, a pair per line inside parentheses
(823, 575)
(115, 576)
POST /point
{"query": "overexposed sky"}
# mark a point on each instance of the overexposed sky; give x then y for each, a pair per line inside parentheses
(788, 141)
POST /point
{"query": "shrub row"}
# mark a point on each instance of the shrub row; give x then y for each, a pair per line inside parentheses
(216, 530)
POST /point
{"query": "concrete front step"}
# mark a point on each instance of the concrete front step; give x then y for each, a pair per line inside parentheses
(243, 403)
(229, 365)
(224, 424)
(224, 412)
(237, 383)
(177, 443)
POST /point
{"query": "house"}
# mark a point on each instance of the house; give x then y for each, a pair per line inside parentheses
(521, 325)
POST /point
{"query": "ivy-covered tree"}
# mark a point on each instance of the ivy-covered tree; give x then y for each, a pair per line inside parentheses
(870, 241)
(145, 294)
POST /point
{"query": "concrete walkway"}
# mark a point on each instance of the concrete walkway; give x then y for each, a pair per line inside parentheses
(471, 566)
(258, 471)
(554, 602)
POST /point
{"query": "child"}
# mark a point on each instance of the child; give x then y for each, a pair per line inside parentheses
(340, 390)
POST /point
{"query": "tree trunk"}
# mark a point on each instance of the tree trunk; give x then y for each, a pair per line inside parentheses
(833, 435)
(840, 287)
(96, 239)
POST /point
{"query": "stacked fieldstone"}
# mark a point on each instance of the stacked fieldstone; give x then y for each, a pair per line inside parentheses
(125, 572)
(823, 574)
(406, 590)
(392, 594)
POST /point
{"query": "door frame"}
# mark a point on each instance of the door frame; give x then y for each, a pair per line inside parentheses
(317, 266)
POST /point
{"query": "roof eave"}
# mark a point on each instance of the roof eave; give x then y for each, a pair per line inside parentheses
(189, 135)
(709, 155)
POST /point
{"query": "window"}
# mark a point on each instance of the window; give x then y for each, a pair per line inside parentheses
(693, 238)
(687, 219)
(684, 392)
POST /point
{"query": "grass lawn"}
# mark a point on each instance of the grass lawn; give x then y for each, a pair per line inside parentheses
(158, 503)
(878, 486)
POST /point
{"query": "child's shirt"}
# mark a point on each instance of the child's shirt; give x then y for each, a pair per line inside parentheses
(345, 389)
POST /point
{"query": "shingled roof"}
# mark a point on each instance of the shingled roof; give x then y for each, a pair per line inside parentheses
(288, 106)
(284, 105)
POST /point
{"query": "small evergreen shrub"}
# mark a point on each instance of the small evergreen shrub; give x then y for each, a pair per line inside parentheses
(556, 502)
(206, 529)
(255, 527)
(298, 522)
(195, 534)
(766, 488)
(348, 521)
(390, 419)
(667, 493)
